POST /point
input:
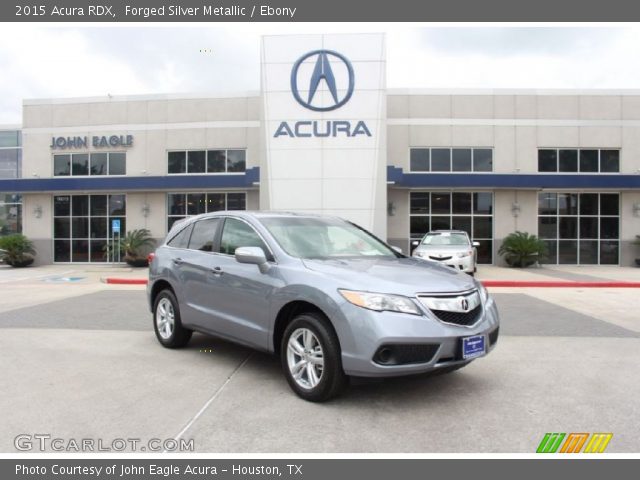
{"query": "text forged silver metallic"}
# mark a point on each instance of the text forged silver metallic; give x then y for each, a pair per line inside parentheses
(259, 272)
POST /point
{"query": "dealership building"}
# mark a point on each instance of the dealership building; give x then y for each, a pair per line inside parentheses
(325, 135)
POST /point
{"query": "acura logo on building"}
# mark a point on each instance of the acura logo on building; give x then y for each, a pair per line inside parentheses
(322, 80)
(330, 69)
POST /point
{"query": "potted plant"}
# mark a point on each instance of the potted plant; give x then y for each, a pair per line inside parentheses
(133, 247)
(520, 249)
(17, 250)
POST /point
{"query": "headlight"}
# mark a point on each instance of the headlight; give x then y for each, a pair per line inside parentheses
(381, 302)
(484, 295)
(465, 254)
(417, 253)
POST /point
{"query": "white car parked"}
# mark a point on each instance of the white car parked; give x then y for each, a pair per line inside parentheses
(450, 247)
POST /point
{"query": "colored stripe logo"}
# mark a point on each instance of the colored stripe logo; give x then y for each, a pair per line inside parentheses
(573, 442)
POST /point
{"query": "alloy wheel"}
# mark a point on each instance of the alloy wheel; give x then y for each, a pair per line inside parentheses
(305, 358)
(165, 318)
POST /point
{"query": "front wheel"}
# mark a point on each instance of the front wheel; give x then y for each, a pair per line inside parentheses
(167, 322)
(311, 358)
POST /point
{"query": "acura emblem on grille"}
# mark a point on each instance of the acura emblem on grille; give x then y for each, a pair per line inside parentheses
(464, 303)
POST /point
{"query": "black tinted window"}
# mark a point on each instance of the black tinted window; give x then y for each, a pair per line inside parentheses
(237, 233)
(203, 234)
(181, 240)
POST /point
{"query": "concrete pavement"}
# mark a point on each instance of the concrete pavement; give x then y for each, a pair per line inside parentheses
(83, 363)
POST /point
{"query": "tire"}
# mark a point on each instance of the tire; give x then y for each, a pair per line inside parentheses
(313, 334)
(170, 335)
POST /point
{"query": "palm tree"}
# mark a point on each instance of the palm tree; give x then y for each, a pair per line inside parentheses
(17, 250)
(134, 245)
(521, 249)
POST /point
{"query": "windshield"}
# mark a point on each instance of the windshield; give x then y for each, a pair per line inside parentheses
(445, 238)
(321, 238)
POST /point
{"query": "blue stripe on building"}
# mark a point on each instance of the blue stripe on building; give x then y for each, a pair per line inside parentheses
(125, 183)
(395, 175)
(512, 180)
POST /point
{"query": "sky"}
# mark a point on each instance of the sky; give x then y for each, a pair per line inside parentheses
(76, 61)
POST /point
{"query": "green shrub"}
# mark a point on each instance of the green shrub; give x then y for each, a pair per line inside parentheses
(133, 247)
(521, 249)
(17, 250)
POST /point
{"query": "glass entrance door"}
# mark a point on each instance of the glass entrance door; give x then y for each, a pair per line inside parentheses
(82, 226)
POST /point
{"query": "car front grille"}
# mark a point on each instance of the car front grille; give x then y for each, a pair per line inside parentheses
(440, 259)
(459, 318)
(463, 309)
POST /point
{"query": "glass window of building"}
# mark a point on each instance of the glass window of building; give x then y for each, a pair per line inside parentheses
(547, 160)
(578, 161)
(461, 160)
(177, 162)
(451, 160)
(82, 226)
(482, 160)
(10, 213)
(610, 161)
(419, 160)
(580, 228)
(207, 161)
(10, 167)
(183, 205)
(10, 138)
(468, 211)
(84, 164)
(10, 154)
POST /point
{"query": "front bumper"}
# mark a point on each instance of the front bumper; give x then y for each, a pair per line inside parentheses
(371, 331)
(464, 264)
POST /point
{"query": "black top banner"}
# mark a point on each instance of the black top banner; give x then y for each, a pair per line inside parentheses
(319, 11)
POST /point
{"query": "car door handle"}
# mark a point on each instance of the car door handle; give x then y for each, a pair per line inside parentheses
(217, 271)
(177, 261)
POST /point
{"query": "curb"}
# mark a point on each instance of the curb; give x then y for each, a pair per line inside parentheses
(486, 283)
(125, 281)
(556, 284)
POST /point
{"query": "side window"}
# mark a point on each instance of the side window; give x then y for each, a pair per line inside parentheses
(204, 233)
(237, 233)
(181, 240)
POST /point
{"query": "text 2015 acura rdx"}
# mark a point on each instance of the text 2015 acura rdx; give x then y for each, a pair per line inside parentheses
(325, 295)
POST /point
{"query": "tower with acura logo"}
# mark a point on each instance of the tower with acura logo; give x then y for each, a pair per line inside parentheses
(323, 120)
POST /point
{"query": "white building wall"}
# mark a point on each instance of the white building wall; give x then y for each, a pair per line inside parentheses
(339, 175)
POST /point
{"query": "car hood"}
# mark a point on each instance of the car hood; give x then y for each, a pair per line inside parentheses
(403, 276)
(444, 248)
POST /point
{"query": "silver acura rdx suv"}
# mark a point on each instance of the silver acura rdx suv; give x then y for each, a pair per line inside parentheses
(328, 297)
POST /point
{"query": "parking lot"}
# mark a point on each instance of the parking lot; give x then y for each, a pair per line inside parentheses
(81, 361)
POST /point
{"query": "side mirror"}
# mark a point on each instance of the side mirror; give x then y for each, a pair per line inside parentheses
(415, 243)
(252, 256)
(475, 244)
(397, 249)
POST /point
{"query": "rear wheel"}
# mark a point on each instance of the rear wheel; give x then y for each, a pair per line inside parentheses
(311, 358)
(167, 322)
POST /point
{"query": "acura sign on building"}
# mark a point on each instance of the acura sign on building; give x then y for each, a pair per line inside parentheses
(324, 125)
